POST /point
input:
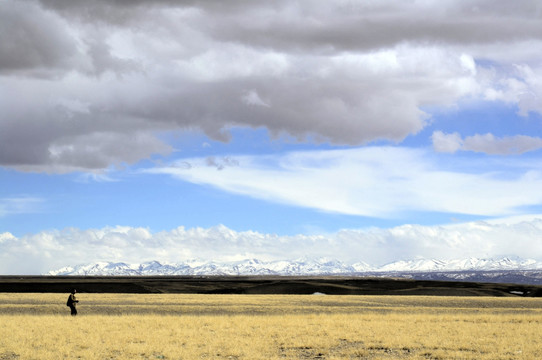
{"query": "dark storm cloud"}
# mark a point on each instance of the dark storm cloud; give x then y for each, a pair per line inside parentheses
(342, 25)
(373, 25)
(86, 85)
(32, 39)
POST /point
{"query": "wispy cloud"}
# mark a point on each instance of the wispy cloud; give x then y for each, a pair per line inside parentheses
(20, 205)
(370, 181)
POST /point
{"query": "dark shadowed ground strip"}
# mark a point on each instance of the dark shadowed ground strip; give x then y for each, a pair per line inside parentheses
(332, 285)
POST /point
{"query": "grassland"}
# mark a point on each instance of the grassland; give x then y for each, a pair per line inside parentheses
(183, 326)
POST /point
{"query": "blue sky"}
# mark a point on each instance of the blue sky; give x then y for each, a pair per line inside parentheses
(162, 131)
(131, 197)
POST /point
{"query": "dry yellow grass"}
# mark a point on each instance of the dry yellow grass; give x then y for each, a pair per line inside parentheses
(120, 326)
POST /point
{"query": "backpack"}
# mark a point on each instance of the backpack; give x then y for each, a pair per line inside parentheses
(69, 302)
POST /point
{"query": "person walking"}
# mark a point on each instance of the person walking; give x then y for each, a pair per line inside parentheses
(72, 300)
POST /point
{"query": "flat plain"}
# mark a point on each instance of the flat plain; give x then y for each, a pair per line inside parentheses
(196, 326)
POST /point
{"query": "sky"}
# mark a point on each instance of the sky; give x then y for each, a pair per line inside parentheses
(370, 131)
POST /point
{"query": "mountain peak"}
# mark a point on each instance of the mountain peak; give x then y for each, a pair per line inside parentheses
(303, 266)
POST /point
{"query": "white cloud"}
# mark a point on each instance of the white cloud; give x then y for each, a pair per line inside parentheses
(447, 143)
(6, 236)
(520, 85)
(468, 63)
(252, 98)
(370, 181)
(489, 144)
(486, 143)
(342, 72)
(531, 98)
(48, 250)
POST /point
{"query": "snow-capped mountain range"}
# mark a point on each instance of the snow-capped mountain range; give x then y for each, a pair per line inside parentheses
(320, 266)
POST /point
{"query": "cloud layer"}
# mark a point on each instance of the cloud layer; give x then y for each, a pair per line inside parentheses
(371, 181)
(48, 250)
(86, 86)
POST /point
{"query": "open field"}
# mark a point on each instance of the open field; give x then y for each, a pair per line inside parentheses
(189, 326)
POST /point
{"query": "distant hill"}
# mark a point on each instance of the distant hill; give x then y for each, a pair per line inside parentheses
(270, 284)
(501, 270)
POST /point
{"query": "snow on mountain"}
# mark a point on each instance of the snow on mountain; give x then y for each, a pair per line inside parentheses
(505, 263)
(244, 267)
(322, 266)
(362, 266)
(413, 265)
